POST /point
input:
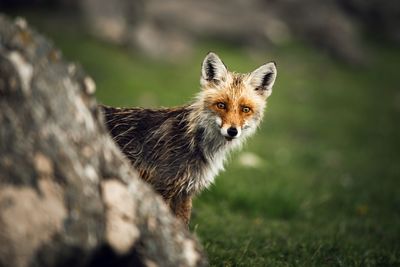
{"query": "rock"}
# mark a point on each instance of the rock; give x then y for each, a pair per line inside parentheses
(67, 195)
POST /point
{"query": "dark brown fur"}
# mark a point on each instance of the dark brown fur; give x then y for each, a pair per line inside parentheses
(160, 147)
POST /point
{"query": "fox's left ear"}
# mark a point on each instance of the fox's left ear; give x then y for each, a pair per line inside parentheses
(263, 78)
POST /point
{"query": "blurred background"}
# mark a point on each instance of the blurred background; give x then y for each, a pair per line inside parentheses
(319, 184)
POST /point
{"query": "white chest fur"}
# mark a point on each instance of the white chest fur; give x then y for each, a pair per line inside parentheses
(210, 171)
(216, 164)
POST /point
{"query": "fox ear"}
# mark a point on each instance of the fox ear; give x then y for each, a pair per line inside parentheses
(263, 78)
(212, 70)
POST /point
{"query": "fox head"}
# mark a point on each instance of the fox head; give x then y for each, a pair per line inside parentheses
(234, 102)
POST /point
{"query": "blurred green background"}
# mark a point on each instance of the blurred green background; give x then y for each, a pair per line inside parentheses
(318, 185)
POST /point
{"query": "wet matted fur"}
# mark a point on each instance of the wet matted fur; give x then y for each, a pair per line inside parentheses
(180, 150)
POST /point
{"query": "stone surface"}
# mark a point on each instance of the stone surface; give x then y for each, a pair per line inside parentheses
(67, 195)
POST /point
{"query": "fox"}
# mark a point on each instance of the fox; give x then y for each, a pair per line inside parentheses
(180, 150)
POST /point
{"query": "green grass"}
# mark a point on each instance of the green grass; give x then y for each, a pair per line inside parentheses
(327, 192)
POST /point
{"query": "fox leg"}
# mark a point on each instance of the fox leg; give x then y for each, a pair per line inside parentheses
(182, 208)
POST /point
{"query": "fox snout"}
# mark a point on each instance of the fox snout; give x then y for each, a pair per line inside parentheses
(231, 132)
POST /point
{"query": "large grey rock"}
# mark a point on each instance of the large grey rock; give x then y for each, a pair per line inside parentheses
(67, 195)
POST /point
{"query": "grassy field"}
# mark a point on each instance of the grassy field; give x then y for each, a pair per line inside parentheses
(326, 189)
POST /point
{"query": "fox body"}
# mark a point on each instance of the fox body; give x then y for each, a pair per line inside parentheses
(180, 150)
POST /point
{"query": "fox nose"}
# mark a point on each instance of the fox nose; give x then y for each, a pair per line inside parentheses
(232, 131)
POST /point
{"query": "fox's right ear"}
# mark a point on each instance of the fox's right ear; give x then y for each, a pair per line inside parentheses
(213, 70)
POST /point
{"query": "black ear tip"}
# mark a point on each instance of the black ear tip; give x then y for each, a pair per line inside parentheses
(275, 63)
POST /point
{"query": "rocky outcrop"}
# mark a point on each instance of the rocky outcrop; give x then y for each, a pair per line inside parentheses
(67, 195)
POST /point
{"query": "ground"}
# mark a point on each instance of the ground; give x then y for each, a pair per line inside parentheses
(325, 187)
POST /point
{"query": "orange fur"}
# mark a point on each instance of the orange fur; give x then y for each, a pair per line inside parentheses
(233, 114)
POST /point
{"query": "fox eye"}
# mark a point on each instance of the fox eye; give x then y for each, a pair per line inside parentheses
(246, 109)
(221, 105)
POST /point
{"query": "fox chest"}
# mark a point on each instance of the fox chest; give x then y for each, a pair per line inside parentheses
(207, 174)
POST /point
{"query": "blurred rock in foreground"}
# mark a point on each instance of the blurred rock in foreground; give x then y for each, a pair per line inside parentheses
(67, 195)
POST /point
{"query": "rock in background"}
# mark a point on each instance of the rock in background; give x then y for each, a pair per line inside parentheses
(168, 29)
